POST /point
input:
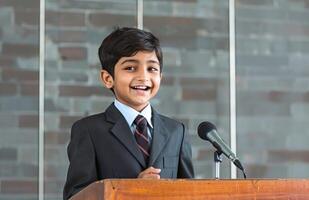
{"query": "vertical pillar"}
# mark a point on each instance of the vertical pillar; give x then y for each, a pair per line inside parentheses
(41, 98)
(232, 82)
(140, 13)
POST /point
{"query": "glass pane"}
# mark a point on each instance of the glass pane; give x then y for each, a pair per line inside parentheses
(74, 31)
(195, 88)
(19, 70)
(272, 87)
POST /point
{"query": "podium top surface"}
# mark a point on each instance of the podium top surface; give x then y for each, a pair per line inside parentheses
(225, 189)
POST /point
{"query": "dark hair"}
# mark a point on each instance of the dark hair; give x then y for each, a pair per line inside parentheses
(126, 42)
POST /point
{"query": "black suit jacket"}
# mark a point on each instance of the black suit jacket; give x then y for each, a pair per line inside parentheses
(102, 146)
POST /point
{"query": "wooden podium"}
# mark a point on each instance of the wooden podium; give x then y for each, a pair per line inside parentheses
(197, 189)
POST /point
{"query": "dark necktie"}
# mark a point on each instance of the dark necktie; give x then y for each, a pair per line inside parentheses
(141, 136)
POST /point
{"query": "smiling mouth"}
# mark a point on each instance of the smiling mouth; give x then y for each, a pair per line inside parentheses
(141, 87)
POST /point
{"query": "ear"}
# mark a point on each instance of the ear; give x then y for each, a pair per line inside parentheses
(107, 79)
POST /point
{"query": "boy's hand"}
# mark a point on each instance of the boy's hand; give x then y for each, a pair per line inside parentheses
(150, 173)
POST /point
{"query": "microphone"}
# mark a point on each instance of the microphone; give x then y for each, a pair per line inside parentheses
(208, 131)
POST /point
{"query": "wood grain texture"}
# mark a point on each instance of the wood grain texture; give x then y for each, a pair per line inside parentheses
(137, 189)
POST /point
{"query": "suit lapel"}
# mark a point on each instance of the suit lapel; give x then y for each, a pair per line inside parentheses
(160, 137)
(123, 133)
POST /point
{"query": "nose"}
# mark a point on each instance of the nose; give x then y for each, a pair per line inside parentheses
(143, 73)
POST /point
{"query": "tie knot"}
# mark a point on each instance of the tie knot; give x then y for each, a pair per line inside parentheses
(140, 120)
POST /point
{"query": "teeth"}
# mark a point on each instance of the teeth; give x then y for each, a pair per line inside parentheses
(141, 87)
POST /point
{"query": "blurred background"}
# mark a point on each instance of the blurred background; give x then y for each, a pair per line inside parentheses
(272, 81)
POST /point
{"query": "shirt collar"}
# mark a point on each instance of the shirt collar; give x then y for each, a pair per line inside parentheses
(130, 114)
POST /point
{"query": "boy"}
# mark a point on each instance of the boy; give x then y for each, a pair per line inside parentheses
(130, 139)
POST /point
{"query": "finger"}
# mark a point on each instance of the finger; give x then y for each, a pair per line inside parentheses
(152, 170)
(150, 176)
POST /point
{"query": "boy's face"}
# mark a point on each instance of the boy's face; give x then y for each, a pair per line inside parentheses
(136, 79)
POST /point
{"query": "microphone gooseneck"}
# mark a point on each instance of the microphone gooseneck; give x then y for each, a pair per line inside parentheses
(208, 131)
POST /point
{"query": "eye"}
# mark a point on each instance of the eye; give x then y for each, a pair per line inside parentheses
(153, 69)
(129, 68)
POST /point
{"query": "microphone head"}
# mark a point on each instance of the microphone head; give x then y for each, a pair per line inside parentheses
(204, 128)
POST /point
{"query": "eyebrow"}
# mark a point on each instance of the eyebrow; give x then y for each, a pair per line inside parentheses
(136, 61)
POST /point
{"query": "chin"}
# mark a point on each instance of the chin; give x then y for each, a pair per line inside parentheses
(141, 104)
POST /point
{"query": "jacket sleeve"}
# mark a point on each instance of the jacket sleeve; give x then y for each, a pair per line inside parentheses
(82, 167)
(185, 167)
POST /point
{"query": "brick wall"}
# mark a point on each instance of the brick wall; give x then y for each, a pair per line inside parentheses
(19, 51)
(272, 61)
(272, 84)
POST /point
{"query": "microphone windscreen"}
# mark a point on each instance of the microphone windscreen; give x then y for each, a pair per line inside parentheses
(204, 128)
